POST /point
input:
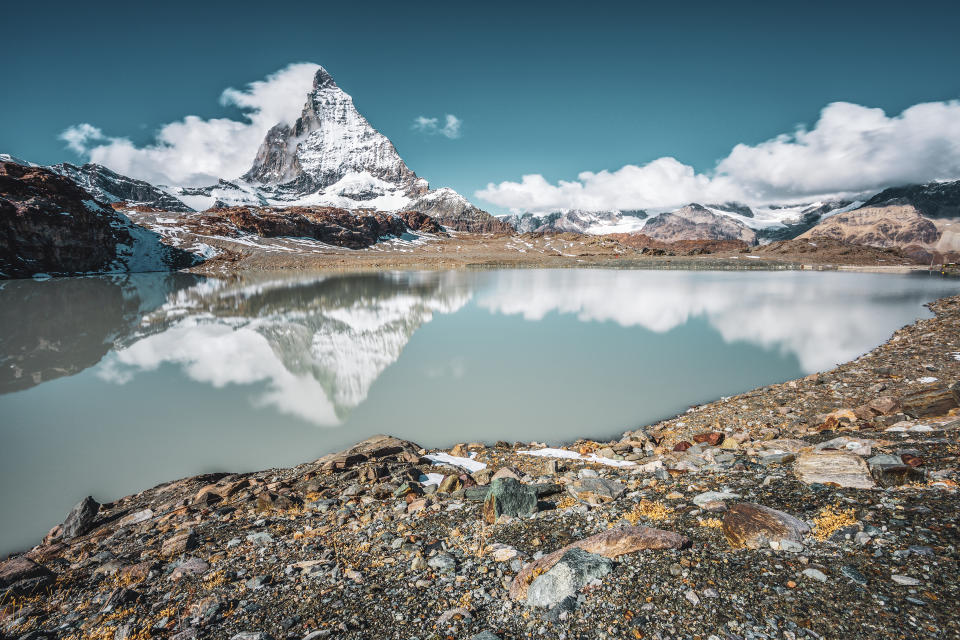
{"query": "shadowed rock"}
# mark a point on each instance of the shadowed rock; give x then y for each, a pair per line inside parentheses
(80, 519)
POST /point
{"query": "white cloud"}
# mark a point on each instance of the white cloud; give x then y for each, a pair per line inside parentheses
(195, 151)
(852, 149)
(78, 136)
(431, 126)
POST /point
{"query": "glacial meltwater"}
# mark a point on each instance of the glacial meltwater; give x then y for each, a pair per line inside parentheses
(109, 385)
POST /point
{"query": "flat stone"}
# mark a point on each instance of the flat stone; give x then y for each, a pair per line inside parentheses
(714, 496)
(906, 581)
(573, 571)
(755, 526)
(834, 468)
(179, 543)
(596, 491)
(485, 635)
(190, 567)
(610, 544)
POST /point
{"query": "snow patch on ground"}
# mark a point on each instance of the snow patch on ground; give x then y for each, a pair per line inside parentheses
(469, 464)
(573, 455)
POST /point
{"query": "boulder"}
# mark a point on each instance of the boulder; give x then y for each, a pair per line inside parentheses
(573, 571)
(755, 526)
(508, 497)
(610, 544)
(833, 467)
(375, 448)
(80, 519)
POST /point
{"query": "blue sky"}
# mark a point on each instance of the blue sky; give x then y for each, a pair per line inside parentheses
(540, 88)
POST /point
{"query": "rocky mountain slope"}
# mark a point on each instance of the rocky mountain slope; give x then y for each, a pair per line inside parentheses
(696, 222)
(109, 186)
(50, 225)
(578, 221)
(922, 220)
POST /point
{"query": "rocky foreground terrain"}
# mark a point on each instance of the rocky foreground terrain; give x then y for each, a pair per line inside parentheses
(824, 507)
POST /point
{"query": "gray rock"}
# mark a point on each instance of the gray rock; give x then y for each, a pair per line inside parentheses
(906, 581)
(815, 574)
(573, 571)
(251, 635)
(80, 519)
(714, 496)
(260, 538)
(596, 491)
(508, 497)
(485, 635)
(442, 562)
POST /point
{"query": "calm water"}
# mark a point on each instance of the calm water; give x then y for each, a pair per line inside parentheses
(112, 385)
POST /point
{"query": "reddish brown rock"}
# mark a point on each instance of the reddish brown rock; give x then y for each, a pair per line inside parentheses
(682, 446)
(610, 544)
(755, 526)
(22, 576)
(713, 438)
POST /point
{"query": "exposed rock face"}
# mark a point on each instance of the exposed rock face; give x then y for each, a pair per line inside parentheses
(695, 222)
(50, 225)
(108, 186)
(885, 226)
(933, 200)
(454, 212)
(328, 224)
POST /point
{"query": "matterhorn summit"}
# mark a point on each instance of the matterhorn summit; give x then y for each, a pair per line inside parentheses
(332, 151)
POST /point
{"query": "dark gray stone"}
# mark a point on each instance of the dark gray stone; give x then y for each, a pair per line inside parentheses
(80, 519)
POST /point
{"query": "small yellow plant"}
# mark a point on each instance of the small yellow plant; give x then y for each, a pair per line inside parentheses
(648, 510)
(831, 520)
(711, 523)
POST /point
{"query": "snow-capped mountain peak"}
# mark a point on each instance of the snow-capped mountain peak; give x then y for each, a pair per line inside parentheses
(330, 141)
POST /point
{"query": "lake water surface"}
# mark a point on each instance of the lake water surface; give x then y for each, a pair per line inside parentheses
(112, 385)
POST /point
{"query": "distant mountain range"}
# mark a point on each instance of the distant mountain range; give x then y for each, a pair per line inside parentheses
(332, 157)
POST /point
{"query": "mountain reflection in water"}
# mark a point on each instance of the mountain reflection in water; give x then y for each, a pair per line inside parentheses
(110, 385)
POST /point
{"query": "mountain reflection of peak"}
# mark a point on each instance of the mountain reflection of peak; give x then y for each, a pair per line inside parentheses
(317, 344)
(59, 327)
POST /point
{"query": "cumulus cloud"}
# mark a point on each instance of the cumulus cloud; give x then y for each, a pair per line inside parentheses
(431, 126)
(196, 151)
(852, 149)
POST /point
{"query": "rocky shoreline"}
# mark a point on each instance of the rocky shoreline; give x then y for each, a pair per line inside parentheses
(824, 507)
